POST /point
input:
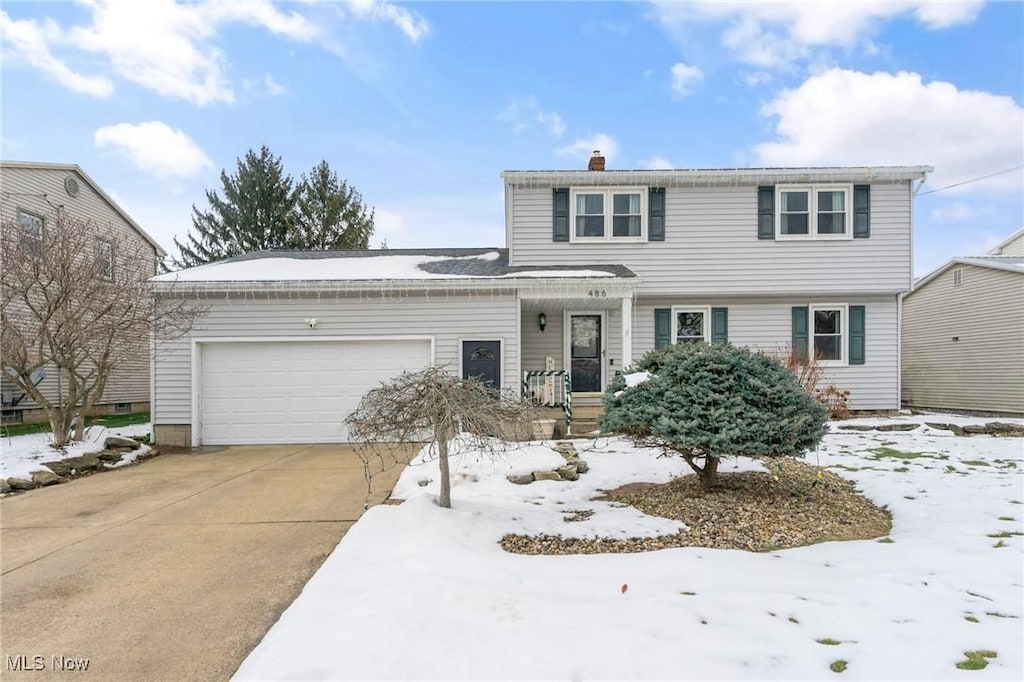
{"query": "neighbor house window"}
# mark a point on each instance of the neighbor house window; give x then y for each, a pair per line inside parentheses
(814, 212)
(958, 277)
(690, 325)
(828, 332)
(105, 258)
(608, 214)
(122, 408)
(11, 417)
(31, 231)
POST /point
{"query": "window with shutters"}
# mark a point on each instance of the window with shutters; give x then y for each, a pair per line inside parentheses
(829, 333)
(691, 325)
(608, 214)
(813, 212)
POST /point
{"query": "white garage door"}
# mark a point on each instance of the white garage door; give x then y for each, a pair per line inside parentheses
(293, 392)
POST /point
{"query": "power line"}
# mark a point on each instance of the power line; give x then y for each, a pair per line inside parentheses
(967, 182)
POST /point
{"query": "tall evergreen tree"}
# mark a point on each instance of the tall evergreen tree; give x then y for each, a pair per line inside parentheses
(256, 212)
(330, 213)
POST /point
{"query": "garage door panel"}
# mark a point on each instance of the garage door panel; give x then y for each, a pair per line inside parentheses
(296, 392)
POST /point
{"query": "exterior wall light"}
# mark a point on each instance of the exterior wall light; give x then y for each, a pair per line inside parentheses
(542, 321)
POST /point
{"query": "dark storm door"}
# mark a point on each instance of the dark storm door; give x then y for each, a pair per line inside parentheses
(482, 359)
(585, 352)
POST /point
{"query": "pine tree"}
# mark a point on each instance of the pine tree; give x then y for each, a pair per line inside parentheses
(330, 213)
(707, 402)
(257, 211)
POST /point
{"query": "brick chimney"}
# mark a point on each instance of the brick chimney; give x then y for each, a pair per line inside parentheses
(596, 161)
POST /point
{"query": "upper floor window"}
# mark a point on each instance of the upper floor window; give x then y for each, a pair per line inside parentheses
(958, 277)
(814, 212)
(105, 258)
(604, 214)
(31, 224)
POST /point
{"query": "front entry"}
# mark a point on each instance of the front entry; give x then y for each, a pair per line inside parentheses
(482, 359)
(585, 352)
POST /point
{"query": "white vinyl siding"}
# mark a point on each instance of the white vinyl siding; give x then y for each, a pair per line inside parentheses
(963, 346)
(766, 324)
(711, 246)
(446, 318)
(23, 190)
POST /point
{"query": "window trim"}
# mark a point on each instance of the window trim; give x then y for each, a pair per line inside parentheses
(812, 211)
(98, 244)
(844, 333)
(676, 309)
(609, 193)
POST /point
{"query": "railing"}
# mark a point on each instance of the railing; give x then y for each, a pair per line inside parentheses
(550, 389)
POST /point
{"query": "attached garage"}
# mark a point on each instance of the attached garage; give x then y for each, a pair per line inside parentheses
(293, 391)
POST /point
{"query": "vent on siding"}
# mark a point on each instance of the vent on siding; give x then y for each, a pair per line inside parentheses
(122, 408)
(958, 277)
(71, 186)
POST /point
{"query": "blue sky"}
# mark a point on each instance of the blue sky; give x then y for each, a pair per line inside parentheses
(421, 105)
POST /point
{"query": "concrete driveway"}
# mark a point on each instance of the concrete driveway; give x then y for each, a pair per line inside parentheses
(173, 569)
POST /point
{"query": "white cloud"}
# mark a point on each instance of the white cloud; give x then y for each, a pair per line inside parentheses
(582, 148)
(414, 26)
(850, 117)
(684, 77)
(274, 89)
(752, 79)
(28, 41)
(155, 147)
(657, 163)
(771, 34)
(959, 212)
(553, 121)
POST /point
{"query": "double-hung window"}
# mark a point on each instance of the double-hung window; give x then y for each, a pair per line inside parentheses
(829, 333)
(814, 212)
(31, 226)
(690, 325)
(105, 258)
(608, 214)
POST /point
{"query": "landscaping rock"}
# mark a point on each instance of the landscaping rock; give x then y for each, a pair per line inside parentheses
(568, 472)
(20, 484)
(1004, 429)
(520, 479)
(957, 431)
(45, 478)
(120, 442)
(582, 467)
(111, 455)
(5, 487)
(546, 476)
(856, 427)
(83, 463)
(60, 467)
(896, 427)
(976, 429)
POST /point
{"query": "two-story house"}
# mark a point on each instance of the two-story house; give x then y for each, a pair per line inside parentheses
(599, 267)
(33, 197)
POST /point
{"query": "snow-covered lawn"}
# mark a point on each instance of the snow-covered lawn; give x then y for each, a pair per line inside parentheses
(21, 455)
(418, 592)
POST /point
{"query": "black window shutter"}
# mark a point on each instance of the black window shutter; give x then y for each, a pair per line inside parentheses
(662, 327)
(560, 209)
(720, 325)
(800, 332)
(656, 214)
(861, 211)
(857, 334)
(766, 212)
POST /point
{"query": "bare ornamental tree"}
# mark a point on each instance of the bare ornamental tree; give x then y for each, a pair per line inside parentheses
(76, 299)
(436, 406)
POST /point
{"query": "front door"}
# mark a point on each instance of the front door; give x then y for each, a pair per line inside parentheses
(585, 352)
(482, 359)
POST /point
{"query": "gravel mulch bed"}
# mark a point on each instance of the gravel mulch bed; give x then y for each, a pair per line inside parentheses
(750, 510)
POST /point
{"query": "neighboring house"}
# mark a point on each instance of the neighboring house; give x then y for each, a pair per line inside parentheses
(963, 334)
(599, 267)
(31, 195)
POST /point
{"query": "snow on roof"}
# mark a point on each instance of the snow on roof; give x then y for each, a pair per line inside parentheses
(393, 264)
